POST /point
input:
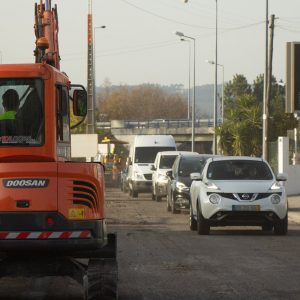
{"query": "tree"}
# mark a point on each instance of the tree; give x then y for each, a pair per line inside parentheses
(241, 132)
(233, 89)
(143, 102)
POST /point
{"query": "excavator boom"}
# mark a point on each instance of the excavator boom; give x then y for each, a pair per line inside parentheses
(46, 32)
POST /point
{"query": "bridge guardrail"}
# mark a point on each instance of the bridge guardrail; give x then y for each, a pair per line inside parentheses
(159, 124)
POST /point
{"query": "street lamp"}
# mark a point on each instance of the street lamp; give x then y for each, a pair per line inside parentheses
(222, 66)
(189, 93)
(94, 75)
(216, 79)
(194, 97)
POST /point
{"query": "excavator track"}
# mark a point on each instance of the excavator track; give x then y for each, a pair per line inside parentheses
(101, 281)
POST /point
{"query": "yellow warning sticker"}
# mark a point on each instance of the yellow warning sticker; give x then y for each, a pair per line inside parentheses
(76, 213)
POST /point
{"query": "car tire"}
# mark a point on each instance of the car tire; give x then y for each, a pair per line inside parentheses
(203, 227)
(267, 227)
(168, 203)
(281, 226)
(153, 196)
(135, 194)
(157, 198)
(193, 222)
(174, 210)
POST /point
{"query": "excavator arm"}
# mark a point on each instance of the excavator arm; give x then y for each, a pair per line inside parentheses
(46, 32)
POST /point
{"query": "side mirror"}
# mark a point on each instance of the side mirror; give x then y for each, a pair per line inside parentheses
(169, 173)
(152, 168)
(196, 176)
(281, 177)
(80, 103)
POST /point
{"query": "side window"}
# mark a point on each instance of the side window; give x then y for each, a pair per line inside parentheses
(63, 118)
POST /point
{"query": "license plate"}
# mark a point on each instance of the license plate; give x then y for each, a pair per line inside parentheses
(246, 207)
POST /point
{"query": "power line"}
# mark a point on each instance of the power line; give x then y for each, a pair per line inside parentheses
(164, 18)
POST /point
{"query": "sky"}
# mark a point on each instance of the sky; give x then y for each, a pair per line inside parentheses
(139, 44)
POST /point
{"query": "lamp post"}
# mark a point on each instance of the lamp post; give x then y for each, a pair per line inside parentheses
(194, 89)
(216, 79)
(189, 93)
(94, 76)
(216, 83)
(222, 66)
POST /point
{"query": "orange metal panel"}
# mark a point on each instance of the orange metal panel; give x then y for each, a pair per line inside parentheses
(81, 190)
(19, 189)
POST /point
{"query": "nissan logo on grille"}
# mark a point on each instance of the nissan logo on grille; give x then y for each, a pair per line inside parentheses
(246, 196)
(26, 183)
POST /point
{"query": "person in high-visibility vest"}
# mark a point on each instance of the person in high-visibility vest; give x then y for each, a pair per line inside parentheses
(10, 104)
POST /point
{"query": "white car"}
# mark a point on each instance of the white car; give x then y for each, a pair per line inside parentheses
(240, 191)
(163, 163)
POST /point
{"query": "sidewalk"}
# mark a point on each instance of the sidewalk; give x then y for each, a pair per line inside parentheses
(294, 209)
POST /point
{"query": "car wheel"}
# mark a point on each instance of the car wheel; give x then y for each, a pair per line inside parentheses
(135, 194)
(203, 227)
(168, 203)
(173, 207)
(267, 227)
(157, 198)
(281, 226)
(193, 222)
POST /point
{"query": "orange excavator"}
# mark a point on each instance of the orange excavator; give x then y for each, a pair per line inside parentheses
(52, 218)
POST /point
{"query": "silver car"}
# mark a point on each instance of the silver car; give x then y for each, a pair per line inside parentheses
(238, 191)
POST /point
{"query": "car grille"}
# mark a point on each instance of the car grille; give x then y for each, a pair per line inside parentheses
(245, 196)
(148, 176)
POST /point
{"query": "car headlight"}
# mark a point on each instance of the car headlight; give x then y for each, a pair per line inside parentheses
(275, 198)
(180, 185)
(139, 176)
(211, 185)
(162, 177)
(214, 198)
(275, 186)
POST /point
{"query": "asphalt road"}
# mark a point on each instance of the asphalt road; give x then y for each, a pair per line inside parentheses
(160, 258)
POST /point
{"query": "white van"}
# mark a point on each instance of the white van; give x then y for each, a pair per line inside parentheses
(163, 162)
(142, 154)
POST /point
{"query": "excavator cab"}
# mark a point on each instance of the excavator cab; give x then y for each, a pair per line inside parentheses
(21, 112)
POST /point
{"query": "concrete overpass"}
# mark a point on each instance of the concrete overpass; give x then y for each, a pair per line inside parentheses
(180, 129)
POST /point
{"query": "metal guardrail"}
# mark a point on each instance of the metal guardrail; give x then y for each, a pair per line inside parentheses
(158, 124)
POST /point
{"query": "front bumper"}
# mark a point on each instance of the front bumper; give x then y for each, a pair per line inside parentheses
(142, 186)
(256, 212)
(182, 199)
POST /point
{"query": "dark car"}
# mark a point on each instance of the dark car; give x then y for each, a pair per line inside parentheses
(179, 181)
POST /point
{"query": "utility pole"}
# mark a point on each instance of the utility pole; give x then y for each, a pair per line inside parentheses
(90, 75)
(269, 89)
(265, 83)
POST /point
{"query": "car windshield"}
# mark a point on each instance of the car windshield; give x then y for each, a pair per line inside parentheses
(148, 154)
(191, 165)
(166, 161)
(21, 111)
(239, 170)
